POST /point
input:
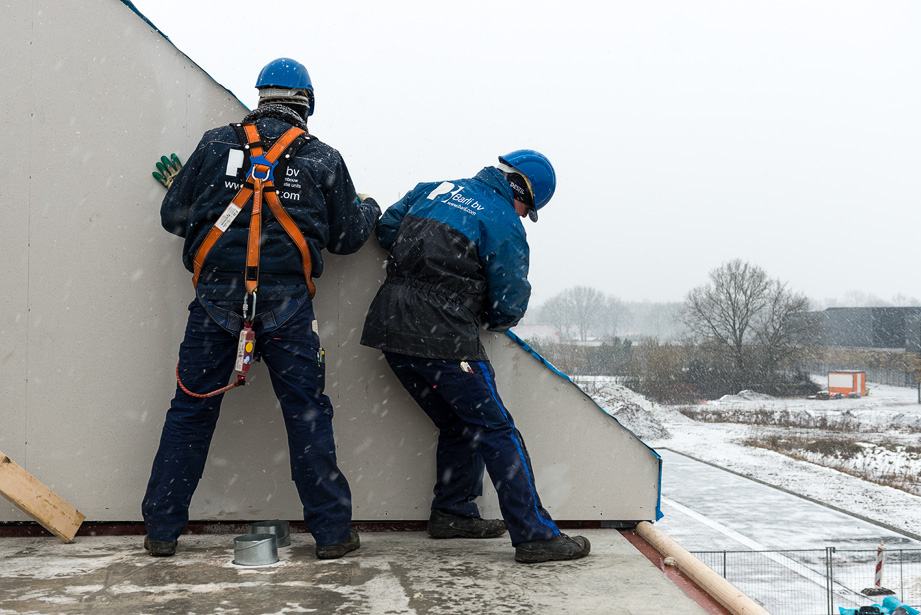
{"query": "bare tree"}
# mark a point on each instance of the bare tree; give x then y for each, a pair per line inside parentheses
(901, 300)
(579, 307)
(555, 311)
(757, 320)
(783, 327)
(585, 304)
(658, 320)
(725, 310)
(614, 316)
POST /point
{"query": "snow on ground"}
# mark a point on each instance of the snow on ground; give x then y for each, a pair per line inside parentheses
(886, 410)
(891, 413)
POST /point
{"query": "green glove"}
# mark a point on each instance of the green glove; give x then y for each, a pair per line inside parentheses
(168, 169)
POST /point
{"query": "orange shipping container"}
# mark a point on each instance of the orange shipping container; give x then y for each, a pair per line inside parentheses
(845, 382)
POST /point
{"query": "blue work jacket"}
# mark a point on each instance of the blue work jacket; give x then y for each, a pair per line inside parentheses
(458, 260)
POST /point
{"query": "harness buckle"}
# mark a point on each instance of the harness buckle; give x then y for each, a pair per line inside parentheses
(249, 315)
(262, 169)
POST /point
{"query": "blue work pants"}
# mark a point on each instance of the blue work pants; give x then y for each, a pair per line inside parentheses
(289, 347)
(475, 428)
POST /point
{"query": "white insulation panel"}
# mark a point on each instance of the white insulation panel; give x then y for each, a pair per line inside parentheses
(94, 307)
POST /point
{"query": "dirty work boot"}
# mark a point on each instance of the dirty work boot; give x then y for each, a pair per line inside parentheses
(447, 525)
(561, 547)
(340, 548)
(160, 548)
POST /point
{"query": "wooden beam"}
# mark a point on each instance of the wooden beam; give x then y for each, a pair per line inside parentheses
(30, 496)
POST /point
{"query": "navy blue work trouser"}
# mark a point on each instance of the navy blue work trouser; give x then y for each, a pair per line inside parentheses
(288, 345)
(475, 428)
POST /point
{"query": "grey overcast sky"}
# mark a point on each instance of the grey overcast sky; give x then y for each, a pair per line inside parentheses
(684, 134)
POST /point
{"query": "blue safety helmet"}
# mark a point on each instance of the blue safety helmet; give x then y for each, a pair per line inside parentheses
(286, 81)
(535, 167)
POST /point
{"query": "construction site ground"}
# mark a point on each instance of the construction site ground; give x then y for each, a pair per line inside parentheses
(394, 572)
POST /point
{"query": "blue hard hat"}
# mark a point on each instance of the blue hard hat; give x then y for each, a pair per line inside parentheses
(286, 80)
(538, 171)
(284, 73)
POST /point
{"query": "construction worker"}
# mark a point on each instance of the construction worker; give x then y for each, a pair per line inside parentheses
(267, 295)
(459, 260)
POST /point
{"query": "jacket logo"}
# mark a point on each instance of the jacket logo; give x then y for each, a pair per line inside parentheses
(234, 161)
(442, 188)
(470, 205)
(291, 180)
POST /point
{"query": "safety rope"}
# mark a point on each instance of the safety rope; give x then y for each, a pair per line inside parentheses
(236, 383)
(245, 353)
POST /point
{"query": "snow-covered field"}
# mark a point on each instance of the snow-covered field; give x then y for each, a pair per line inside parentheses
(885, 425)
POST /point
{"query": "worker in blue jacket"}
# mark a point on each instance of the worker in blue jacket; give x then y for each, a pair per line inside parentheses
(459, 262)
(271, 299)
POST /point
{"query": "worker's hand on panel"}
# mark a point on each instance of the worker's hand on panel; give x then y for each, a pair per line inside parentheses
(167, 169)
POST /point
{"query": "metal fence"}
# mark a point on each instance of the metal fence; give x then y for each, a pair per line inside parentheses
(818, 581)
(889, 377)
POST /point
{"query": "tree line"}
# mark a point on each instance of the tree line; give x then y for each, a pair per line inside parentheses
(742, 329)
(584, 313)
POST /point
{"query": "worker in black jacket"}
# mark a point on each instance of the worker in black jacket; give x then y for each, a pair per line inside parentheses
(268, 296)
(459, 261)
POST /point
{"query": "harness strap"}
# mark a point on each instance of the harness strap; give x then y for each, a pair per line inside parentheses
(251, 277)
(235, 207)
(259, 185)
(296, 236)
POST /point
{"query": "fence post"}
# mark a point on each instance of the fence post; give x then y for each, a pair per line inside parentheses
(880, 558)
(830, 579)
(724, 563)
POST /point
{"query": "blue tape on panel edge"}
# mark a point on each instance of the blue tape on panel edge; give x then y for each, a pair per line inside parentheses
(135, 10)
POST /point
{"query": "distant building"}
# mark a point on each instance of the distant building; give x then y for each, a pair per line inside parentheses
(891, 328)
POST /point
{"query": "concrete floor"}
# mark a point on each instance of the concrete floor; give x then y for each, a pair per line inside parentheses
(393, 573)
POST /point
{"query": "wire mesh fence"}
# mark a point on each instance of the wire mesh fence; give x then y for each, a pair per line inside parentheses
(877, 375)
(819, 581)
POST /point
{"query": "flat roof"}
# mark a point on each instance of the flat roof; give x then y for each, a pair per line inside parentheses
(393, 572)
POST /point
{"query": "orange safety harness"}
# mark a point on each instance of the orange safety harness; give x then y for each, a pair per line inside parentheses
(258, 187)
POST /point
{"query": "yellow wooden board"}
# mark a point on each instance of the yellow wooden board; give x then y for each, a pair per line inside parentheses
(32, 497)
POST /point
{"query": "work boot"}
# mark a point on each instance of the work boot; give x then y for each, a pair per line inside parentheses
(561, 547)
(340, 548)
(160, 548)
(447, 525)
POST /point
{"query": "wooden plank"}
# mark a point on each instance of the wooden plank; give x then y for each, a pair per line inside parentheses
(30, 496)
